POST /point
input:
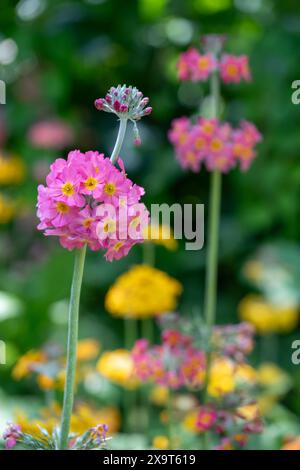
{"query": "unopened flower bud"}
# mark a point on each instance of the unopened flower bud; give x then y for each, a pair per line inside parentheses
(125, 102)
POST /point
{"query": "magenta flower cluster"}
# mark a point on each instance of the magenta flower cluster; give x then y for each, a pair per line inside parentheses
(87, 200)
(194, 66)
(174, 363)
(217, 145)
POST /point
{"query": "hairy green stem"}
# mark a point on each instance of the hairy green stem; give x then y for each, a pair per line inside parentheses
(212, 254)
(213, 239)
(72, 346)
(120, 138)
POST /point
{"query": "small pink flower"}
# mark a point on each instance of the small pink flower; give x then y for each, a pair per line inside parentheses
(202, 67)
(195, 66)
(234, 69)
(206, 418)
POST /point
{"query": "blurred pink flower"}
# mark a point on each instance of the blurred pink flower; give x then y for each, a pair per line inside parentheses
(214, 144)
(53, 134)
(234, 69)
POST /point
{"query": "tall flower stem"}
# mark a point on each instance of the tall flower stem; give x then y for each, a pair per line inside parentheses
(119, 141)
(72, 346)
(212, 254)
(213, 237)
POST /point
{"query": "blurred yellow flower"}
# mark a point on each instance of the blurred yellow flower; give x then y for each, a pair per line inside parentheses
(221, 378)
(86, 417)
(269, 374)
(12, 170)
(117, 366)
(160, 235)
(83, 418)
(225, 376)
(160, 442)
(45, 382)
(159, 395)
(32, 426)
(87, 349)
(268, 318)
(143, 292)
(190, 421)
(274, 383)
(25, 363)
(248, 412)
(7, 210)
(245, 373)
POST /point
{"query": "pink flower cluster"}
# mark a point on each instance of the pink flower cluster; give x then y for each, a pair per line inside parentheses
(206, 418)
(11, 435)
(217, 145)
(233, 429)
(87, 200)
(192, 65)
(174, 363)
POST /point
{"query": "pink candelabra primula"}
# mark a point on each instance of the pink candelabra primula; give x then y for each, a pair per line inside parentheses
(197, 66)
(88, 202)
(216, 144)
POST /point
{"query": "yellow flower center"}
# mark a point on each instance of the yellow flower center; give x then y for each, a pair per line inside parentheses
(182, 138)
(208, 127)
(216, 145)
(62, 207)
(109, 226)
(68, 189)
(90, 183)
(110, 189)
(88, 222)
(203, 63)
(232, 70)
(118, 245)
(191, 157)
(199, 143)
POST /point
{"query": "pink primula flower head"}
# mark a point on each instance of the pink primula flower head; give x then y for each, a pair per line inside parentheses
(216, 145)
(87, 200)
